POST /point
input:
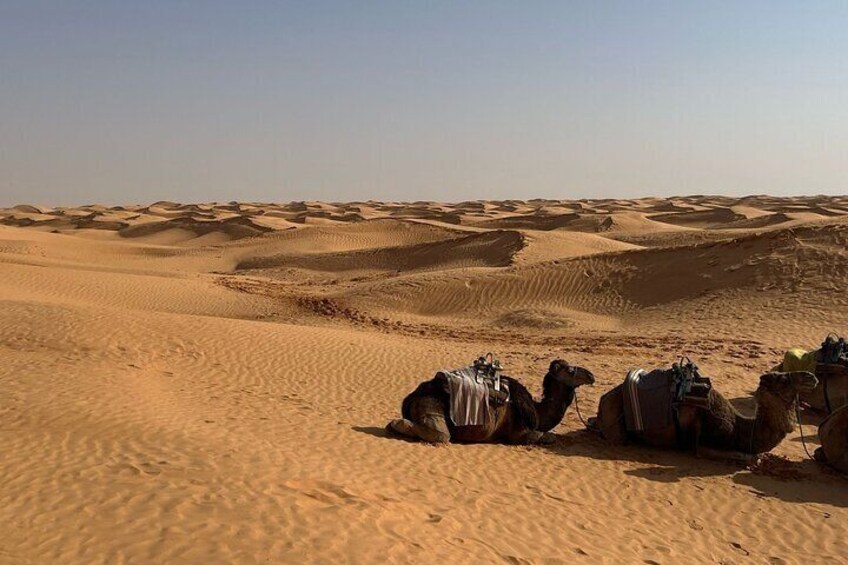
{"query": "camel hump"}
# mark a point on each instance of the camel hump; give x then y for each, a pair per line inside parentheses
(524, 410)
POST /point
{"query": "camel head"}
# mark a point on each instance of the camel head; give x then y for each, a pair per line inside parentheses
(776, 398)
(563, 374)
(786, 386)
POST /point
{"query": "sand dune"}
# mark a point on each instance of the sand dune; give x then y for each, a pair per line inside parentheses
(209, 382)
(701, 218)
(490, 249)
(236, 227)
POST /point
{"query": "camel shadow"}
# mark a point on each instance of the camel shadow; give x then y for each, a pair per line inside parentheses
(794, 481)
(382, 433)
(662, 465)
(811, 482)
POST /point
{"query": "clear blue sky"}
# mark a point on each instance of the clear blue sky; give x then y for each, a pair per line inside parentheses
(121, 102)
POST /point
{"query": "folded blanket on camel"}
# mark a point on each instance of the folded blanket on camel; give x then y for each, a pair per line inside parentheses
(648, 399)
(469, 397)
(800, 360)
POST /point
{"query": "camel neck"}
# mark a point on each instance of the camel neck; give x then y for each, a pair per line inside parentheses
(771, 423)
(551, 410)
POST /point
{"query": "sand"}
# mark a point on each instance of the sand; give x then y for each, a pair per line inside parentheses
(210, 383)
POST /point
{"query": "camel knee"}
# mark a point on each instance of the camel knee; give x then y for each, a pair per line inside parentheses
(535, 437)
(435, 429)
(432, 435)
(423, 432)
(403, 427)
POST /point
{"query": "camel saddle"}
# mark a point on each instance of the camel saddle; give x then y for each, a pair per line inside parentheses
(473, 390)
(828, 362)
(652, 399)
(833, 351)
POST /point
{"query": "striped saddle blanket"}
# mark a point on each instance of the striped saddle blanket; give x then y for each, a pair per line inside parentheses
(472, 393)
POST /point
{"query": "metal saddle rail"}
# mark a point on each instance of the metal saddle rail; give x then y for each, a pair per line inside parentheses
(691, 387)
(488, 370)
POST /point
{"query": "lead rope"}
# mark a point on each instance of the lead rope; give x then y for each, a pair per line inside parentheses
(577, 408)
(596, 429)
(801, 427)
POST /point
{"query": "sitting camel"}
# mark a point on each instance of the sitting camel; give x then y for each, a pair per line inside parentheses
(833, 434)
(832, 391)
(426, 413)
(717, 430)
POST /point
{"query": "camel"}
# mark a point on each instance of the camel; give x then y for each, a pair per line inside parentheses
(833, 434)
(520, 421)
(718, 431)
(832, 392)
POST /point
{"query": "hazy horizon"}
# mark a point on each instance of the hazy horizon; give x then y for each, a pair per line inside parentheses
(644, 197)
(444, 101)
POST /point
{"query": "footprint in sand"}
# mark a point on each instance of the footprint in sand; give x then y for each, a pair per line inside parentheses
(695, 525)
(434, 518)
(739, 549)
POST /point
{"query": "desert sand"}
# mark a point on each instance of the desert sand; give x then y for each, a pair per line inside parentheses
(210, 382)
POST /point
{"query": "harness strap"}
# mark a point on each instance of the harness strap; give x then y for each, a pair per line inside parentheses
(826, 395)
(678, 430)
(801, 427)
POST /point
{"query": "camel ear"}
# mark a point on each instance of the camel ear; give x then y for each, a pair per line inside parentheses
(555, 366)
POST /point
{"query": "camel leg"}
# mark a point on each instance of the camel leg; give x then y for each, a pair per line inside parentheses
(427, 432)
(427, 423)
(711, 453)
(529, 437)
(541, 438)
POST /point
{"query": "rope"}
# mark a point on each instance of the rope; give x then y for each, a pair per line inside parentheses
(587, 426)
(801, 427)
(577, 408)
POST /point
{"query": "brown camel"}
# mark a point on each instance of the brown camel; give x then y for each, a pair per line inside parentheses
(832, 391)
(718, 431)
(833, 434)
(522, 420)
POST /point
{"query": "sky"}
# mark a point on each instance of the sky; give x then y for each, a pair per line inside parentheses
(126, 102)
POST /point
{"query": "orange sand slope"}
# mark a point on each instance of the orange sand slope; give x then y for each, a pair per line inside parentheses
(209, 382)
